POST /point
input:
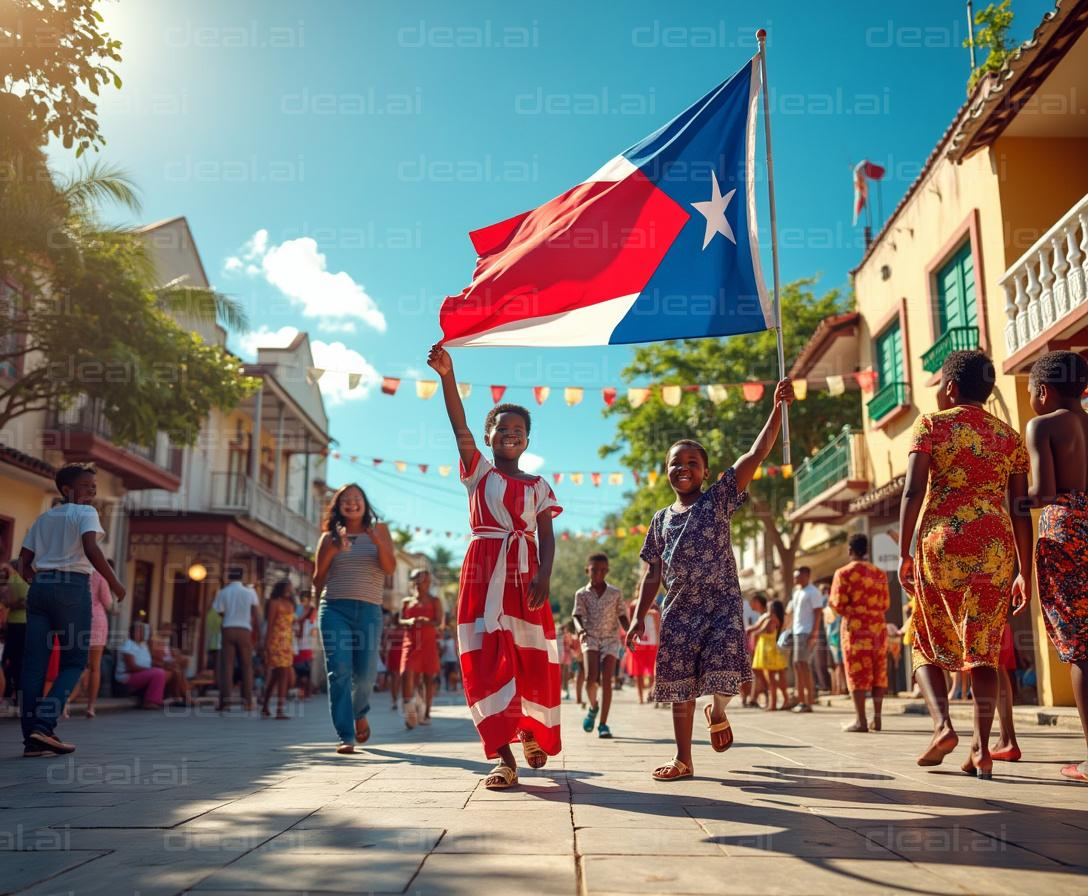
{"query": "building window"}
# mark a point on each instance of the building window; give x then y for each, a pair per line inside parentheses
(956, 309)
(890, 367)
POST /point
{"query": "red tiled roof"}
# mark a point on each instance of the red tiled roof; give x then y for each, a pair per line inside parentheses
(824, 333)
(27, 462)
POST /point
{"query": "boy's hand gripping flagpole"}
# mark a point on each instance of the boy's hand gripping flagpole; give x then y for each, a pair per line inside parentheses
(761, 36)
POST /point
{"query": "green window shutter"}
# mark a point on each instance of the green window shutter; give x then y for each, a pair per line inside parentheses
(956, 305)
(889, 356)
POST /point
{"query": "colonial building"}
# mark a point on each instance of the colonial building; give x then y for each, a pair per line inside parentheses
(249, 492)
(988, 248)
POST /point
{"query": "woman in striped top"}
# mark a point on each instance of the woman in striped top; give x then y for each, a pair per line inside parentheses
(354, 556)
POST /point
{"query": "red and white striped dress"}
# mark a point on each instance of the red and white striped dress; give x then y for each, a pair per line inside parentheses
(509, 655)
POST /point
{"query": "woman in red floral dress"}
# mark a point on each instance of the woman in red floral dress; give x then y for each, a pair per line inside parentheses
(962, 571)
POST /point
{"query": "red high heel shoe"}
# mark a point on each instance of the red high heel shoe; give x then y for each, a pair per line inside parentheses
(1012, 754)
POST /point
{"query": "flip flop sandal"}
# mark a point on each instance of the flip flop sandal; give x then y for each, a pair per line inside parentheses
(508, 776)
(535, 757)
(365, 736)
(1073, 773)
(723, 743)
(673, 770)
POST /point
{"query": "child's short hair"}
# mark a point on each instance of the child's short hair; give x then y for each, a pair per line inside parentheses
(1065, 372)
(493, 415)
(859, 544)
(68, 474)
(973, 372)
(596, 558)
(690, 443)
(760, 598)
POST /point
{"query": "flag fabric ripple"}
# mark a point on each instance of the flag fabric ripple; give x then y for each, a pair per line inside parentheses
(660, 243)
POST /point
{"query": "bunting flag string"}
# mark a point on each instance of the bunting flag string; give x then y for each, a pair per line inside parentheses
(575, 477)
(670, 394)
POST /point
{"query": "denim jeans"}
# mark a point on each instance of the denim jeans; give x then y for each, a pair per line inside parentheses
(351, 634)
(58, 603)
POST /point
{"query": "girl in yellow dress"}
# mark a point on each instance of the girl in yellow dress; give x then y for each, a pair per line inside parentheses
(769, 659)
(279, 645)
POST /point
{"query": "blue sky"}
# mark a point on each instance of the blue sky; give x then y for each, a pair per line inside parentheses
(331, 158)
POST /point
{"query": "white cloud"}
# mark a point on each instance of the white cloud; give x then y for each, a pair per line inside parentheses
(300, 271)
(336, 359)
(531, 463)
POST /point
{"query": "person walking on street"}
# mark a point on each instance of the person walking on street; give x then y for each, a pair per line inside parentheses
(58, 556)
(598, 613)
(966, 481)
(237, 604)
(802, 619)
(278, 647)
(859, 594)
(13, 592)
(354, 556)
(420, 616)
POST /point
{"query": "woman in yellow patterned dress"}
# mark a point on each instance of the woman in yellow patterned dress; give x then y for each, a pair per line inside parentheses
(279, 646)
(961, 572)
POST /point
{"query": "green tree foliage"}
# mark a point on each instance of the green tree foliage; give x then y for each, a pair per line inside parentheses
(54, 52)
(728, 429)
(991, 33)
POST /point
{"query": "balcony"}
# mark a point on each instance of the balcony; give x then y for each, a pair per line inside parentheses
(954, 339)
(83, 433)
(825, 483)
(1046, 298)
(892, 396)
(239, 494)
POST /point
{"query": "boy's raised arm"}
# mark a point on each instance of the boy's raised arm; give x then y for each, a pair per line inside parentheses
(745, 468)
(439, 359)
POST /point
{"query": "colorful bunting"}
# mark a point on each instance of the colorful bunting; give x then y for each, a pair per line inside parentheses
(800, 389)
(400, 465)
(353, 380)
(615, 478)
(652, 476)
(752, 391)
(717, 393)
(426, 388)
(576, 478)
(609, 395)
(671, 395)
(572, 395)
(465, 389)
(866, 380)
(390, 384)
(836, 385)
(637, 395)
(423, 468)
(541, 393)
(497, 393)
(595, 478)
(444, 470)
(314, 374)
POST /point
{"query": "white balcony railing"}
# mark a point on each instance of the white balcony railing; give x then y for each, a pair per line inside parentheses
(235, 493)
(1048, 281)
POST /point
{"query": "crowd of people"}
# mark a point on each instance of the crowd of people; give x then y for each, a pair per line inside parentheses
(967, 557)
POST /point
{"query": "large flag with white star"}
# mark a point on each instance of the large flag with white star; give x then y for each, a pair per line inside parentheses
(660, 243)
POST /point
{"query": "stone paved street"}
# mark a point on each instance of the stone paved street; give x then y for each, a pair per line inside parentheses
(209, 805)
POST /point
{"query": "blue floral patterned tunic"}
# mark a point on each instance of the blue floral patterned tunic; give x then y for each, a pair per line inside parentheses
(702, 648)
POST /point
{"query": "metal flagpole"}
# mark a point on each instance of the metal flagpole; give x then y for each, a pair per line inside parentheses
(761, 36)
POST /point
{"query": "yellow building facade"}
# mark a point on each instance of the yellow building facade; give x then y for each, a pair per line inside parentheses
(987, 249)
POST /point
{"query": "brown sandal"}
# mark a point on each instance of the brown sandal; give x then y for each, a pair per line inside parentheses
(535, 757)
(363, 736)
(673, 770)
(502, 777)
(725, 739)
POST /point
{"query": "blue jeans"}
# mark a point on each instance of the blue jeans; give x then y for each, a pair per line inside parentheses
(58, 603)
(351, 635)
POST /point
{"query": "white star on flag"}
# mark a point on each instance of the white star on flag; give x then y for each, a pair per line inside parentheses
(714, 212)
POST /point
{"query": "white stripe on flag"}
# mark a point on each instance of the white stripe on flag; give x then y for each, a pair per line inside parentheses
(546, 715)
(612, 171)
(765, 300)
(592, 325)
(494, 703)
